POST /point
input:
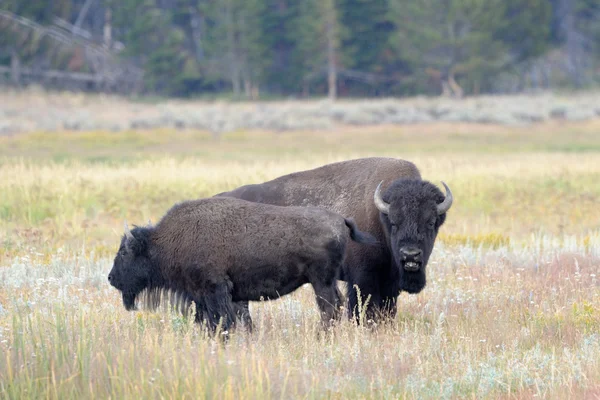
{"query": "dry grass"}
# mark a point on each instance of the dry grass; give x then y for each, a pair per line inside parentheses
(511, 309)
(250, 146)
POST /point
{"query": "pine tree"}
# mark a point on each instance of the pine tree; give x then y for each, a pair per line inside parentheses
(587, 17)
(318, 43)
(287, 46)
(282, 73)
(365, 30)
(235, 49)
(151, 38)
(467, 41)
(525, 28)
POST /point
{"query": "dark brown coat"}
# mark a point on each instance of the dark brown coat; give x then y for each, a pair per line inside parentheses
(221, 250)
(406, 230)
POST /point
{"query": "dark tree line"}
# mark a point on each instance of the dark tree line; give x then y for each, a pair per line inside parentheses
(261, 48)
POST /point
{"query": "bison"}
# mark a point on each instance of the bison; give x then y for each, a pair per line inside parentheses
(219, 251)
(387, 198)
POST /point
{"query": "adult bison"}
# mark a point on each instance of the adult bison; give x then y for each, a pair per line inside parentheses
(217, 251)
(404, 214)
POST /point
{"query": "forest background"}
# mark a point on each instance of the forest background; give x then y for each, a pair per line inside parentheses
(273, 49)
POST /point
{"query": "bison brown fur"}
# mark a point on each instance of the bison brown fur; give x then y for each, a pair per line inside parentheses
(222, 252)
(388, 199)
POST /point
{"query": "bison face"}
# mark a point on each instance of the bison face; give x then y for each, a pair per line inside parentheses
(131, 271)
(412, 212)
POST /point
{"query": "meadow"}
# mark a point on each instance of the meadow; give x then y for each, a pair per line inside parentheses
(511, 308)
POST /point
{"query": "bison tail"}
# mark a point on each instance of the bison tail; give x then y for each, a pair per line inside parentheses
(358, 235)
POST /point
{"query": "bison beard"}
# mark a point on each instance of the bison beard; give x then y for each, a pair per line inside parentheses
(412, 282)
(129, 300)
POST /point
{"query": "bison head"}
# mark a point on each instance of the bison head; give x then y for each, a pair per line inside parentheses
(132, 269)
(412, 212)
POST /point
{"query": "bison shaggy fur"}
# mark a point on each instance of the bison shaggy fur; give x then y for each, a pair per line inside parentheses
(216, 252)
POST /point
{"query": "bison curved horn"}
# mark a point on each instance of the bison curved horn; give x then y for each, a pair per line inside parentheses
(447, 203)
(379, 203)
(128, 232)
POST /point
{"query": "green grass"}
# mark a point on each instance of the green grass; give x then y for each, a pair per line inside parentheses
(510, 309)
(247, 146)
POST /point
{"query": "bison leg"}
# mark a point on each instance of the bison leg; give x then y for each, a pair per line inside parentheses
(379, 290)
(243, 314)
(389, 286)
(216, 307)
(387, 307)
(363, 308)
(328, 300)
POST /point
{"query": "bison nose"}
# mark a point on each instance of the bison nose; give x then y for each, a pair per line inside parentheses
(110, 277)
(411, 258)
(411, 252)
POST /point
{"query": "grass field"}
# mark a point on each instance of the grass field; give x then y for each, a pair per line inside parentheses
(511, 309)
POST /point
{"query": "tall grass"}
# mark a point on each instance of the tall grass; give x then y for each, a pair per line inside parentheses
(49, 203)
(511, 308)
(489, 323)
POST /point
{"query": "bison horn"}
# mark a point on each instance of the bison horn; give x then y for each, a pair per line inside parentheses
(379, 203)
(447, 203)
(128, 232)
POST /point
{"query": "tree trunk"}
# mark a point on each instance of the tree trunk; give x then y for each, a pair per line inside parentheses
(476, 87)
(108, 28)
(446, 92)
(247, 84)
(573, 43)
(456, 89)
(234, 67)
(331, 72)
(235, 79)
(330, 32)
(305, 89)
(82, 14)
(196, 27)
(15, 67)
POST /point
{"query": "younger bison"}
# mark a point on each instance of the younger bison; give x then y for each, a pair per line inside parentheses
(218, 251)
